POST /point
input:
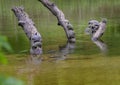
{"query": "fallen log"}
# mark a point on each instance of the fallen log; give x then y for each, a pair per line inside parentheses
(68, 28)
(30, 30)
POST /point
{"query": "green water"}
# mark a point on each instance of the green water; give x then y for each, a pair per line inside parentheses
(85, 65)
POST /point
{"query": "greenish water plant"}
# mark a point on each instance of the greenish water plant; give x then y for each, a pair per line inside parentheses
(10, 81)
(4, 45)
(6, 80)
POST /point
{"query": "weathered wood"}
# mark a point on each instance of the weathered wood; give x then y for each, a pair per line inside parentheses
(96, 29)
(29, 28)
(68, 28)
(100, 31)
(96, 36)
(93, 26)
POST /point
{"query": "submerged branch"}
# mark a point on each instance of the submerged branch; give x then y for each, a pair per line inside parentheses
(30, 30)
(96, 30)
(99, 32)
(68, 28)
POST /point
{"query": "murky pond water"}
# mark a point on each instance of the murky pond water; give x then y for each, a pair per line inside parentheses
(62, 63)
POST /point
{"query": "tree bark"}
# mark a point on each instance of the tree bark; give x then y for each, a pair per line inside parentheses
(30, 30)
(68, 28)
(97, 35)
(96, 30)
(100, 31)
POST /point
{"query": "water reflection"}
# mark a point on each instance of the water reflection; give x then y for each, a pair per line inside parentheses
(36, 60)
(101, 45)
(31, 68)
(33, 63)
(64, 50)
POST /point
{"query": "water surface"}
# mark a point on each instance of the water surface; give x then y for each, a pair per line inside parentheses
(62, 63)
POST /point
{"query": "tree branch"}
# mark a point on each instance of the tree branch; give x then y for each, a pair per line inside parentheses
(68, 28)
(29, 28)
(100, 30)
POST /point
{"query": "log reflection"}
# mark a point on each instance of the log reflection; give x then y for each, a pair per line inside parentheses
(30, 69)
(101, 45)
(64, 50)
(35, 60)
